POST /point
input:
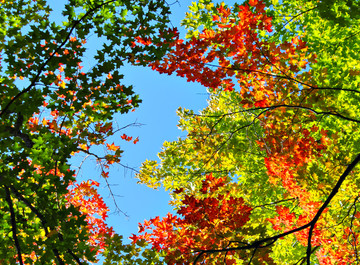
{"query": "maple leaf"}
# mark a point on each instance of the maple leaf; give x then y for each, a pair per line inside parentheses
(261, 103)
(253, 2)
(112, 147)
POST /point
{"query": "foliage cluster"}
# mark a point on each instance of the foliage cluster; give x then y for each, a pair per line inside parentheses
(280, 130)
(266, 173)
(52, 108)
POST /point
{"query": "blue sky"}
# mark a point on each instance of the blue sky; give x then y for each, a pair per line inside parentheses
(162, 95)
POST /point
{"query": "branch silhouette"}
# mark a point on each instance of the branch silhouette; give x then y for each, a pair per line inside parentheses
(311, 224)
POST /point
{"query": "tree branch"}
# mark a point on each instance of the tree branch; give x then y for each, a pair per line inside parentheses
(13, 224)
(281, 106)
(326, 203)
(43, 222)
(311, 224)
(75, 257)
(42, 67)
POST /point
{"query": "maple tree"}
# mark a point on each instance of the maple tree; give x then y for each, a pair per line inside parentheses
(52, 108)
(267, 173)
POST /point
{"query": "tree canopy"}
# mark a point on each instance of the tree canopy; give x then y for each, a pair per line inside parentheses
(51, 109)
(267, 172)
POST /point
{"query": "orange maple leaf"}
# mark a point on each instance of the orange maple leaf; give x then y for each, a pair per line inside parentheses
(112, 147)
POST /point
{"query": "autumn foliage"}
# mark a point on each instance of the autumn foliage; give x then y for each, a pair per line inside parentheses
(52, 109)
(267, 172)
(278, 131)
(203, 223)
